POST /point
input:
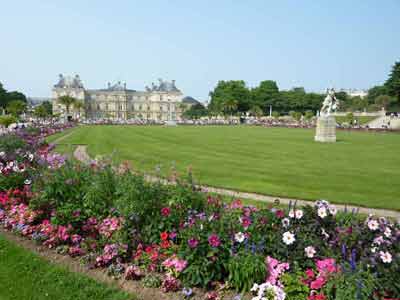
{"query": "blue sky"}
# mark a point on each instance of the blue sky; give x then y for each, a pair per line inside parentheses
(315, 44)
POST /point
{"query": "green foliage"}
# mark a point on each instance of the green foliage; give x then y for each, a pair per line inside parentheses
(359, 284)
(64, 189)
(309, 115)
(196, 111)
(350, 118)
(16, 107)
(10, 143)
(151, 281)
(67, 101)
(6, 97)
(295, 115)
(245, 269)
(384, 101)
(7, 120)
(229, 96)
(295, 289)
(44, 110)
(392, 84)
(275, 114)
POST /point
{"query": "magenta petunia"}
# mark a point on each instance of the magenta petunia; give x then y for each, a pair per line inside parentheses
(214, 240)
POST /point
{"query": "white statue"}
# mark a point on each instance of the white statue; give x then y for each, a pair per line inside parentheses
(330, 103)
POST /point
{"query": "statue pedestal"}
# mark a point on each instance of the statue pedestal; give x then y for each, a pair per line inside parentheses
(326, 129)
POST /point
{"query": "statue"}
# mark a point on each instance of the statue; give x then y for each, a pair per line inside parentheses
(330, 103)
(326, 123)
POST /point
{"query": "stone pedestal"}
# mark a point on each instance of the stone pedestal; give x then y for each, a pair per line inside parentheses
(326, 129)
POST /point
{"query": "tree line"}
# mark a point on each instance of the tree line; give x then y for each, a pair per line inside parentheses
(234, 97)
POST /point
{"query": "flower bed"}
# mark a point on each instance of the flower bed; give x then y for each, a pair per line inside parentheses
(177, 238)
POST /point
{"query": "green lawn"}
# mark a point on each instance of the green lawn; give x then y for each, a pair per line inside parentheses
(26, 276)
(361, 168)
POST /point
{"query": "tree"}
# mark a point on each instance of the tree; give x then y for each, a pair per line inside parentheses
(230, 106)
(256, 111)
(375, 92)
(43, 111)
(16, 107)
(384, 101)
(266, 94)
(228, 91)
(6, 97)
(67, 101)
(196, 111)
(393, 82)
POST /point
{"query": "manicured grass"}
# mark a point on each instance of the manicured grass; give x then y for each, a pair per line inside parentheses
(24, 275)
(361, 168)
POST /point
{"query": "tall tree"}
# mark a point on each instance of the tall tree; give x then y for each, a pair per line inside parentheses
(266, 94)
(393, 82)
(230, 106)
(230, 90)
(16, 107)
(67, 101)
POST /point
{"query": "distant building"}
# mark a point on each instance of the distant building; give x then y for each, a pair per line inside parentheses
(33, 101)
(190, 101)
(355, 92)
(160, 102)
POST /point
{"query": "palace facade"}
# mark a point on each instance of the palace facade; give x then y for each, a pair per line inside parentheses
(160, 102)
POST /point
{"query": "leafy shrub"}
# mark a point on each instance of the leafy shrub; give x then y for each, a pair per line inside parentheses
(10, 143)
(295, 289)
(244, 269)
(7, 120)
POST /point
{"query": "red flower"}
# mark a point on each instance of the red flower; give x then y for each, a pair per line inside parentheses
(148, 249)
(165, 244)
(165, 211)
(280, 213)
(164, 236)
(317, 297)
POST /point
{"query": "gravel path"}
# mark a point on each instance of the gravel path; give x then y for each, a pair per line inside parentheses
(81, 155)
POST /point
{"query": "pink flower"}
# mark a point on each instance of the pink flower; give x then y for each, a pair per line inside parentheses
(76, 238)
(246, 222)
(165, 211)
(193, 242)
(62, 233)
(318, 283)
(326, 266)
(214, 240)
(275, 270)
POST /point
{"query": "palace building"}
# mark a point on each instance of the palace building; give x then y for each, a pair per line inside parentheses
(160, 102)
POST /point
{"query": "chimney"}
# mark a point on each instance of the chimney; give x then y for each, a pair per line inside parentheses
(108, 85)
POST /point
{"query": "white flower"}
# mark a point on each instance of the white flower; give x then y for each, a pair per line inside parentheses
(388, 232)
(324, 233)
(27, 182)
(30, 156)
(291, 213)
(254, 288)
(2, 153)
(285, 222)
(332, 210)
(322, 212)
(373, 249)
(299, 214)
(239, 237)
(310, 251)
(373, 225)
(378, 240)
(288, 238)
(386, 257)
